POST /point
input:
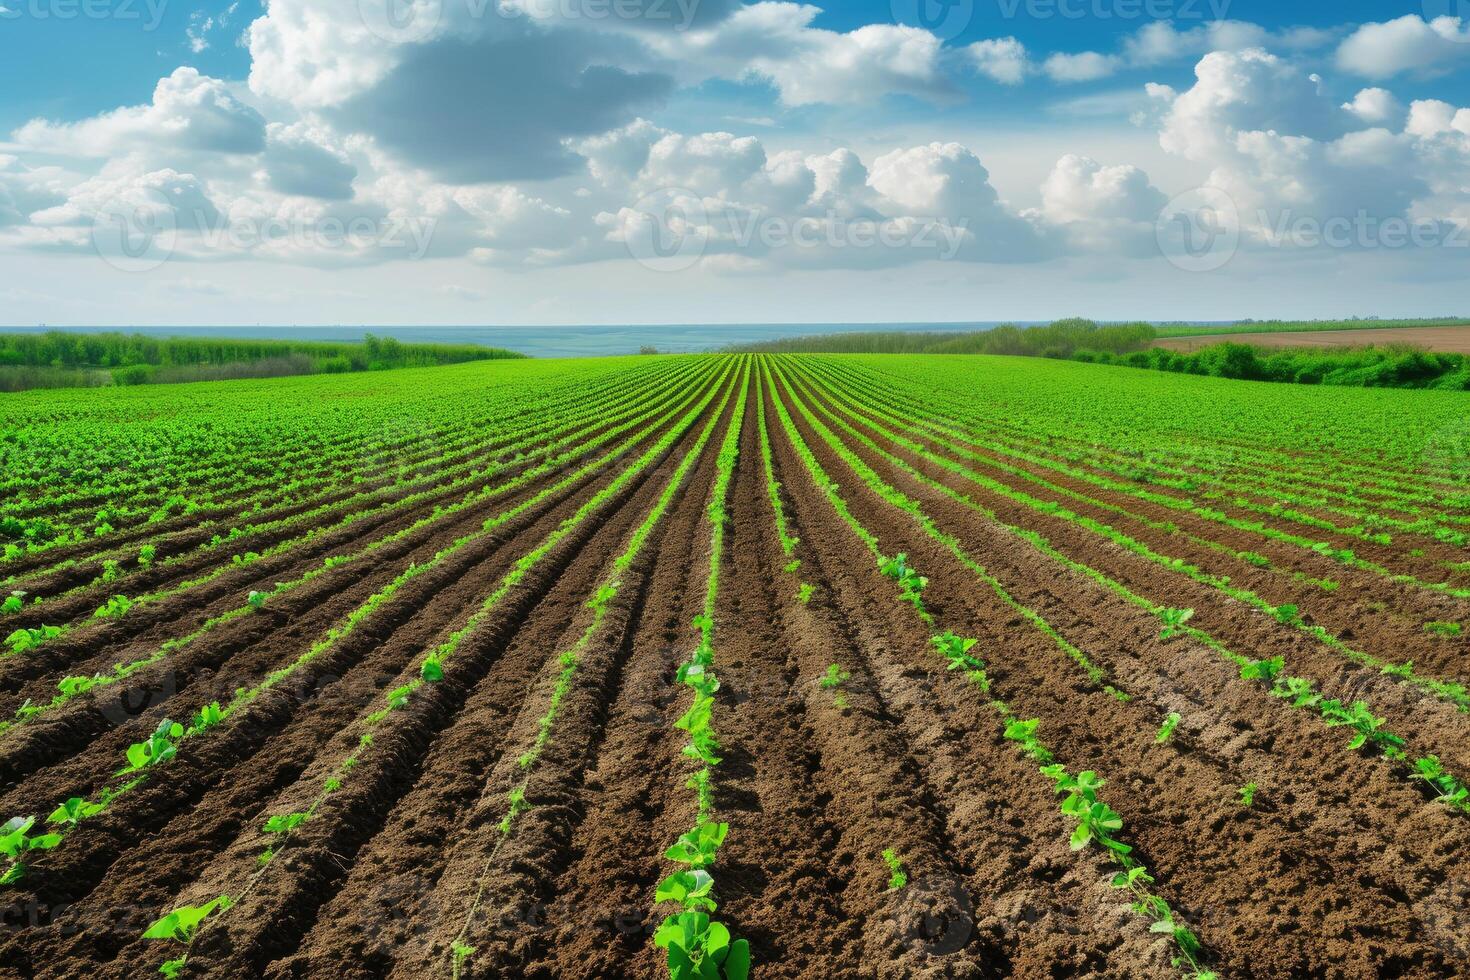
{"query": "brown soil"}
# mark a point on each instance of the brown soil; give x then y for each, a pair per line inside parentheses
(1449, 340)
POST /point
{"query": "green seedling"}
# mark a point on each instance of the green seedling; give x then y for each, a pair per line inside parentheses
(208, 717)
(956, 650)
(146, 555)
(115, 608)
(1024, 732)
(285, 824)
(182, 925)
(897, 878)
(16, 841)
(432, 669)
(1263, 670)
(13, 603)
(156, 750)
(1287, 615)
(835, 677)
(699, 846)
(73, 812)
(1248, 795)
(398, 698)
(691, 889)
(1174, 620)
(1298, 690)
(1096, 821)
(1167, 731)
(792, 567)
(461, 954)
(804, 593)
(1369, 729)
(28, 639)
(257, 600)
(1447, 630)
(910, 583)
(701, 949)
(1450, 790)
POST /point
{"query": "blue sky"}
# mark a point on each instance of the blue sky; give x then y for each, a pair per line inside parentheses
(306, 161)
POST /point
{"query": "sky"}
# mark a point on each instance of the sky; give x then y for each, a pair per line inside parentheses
(379, 162)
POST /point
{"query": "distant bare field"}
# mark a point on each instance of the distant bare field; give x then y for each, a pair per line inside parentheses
(1451, 340)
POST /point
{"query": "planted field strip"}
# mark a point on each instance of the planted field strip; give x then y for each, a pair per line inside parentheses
(717, 666)
(1287, 614)
(1358, 716)
(1011, 454)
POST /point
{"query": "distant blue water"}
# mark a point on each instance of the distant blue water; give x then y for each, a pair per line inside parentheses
(542, 341)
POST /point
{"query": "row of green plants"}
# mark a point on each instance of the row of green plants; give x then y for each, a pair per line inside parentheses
(517, 453)
(933, 428)
(1117, 440)
(251, 444)
(72, 687)
(1095, 822)
(1286, 614)
(518, 801)
(1369, 730)
(697, 946)
(464, 451)
(279, 828)
(164, 748)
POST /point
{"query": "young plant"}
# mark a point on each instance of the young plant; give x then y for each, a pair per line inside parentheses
(835, 677)
(1248, 795)
(1369, 729)
(28, 639)
(146, 555)
(13, 603)
(257, 600)
(1263, 670)
(1167, 731)
(1096, 821)
(16, 841)
(804, 593)
(792, 567)
(1024, 732)
(1447, 630)
(432, 670)
(1450, 790)
(897, 878)
(157, 749)
(699, 948)
(115, 608)
(461, 955)
(910, 583)
(182, 925)
(73, 812)
(1174, 620)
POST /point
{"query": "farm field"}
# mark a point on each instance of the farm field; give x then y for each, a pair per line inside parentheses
(1445, 340)
(779, 666)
